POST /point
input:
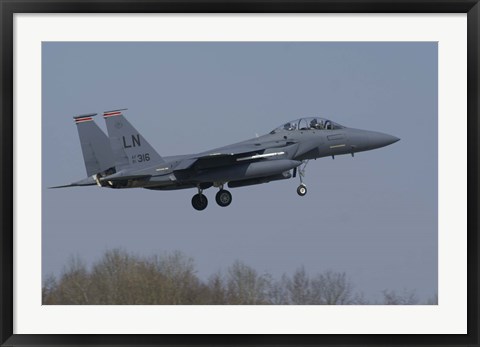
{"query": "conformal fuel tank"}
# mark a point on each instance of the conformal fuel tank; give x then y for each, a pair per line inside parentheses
(247, 170)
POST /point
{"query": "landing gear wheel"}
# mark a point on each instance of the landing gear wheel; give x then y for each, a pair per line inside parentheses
(302, 190)
(223, 198)
(199, 202)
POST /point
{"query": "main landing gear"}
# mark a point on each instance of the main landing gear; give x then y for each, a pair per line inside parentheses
(223, 198)
(200, 201)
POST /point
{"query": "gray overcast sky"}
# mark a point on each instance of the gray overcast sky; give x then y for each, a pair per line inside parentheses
(373, 216)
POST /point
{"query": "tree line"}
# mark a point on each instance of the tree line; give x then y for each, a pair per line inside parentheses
(120, 278)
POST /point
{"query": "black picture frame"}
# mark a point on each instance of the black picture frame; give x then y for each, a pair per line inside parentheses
(10, 7)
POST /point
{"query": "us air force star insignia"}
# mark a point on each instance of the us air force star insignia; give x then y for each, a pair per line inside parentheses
(118, 125)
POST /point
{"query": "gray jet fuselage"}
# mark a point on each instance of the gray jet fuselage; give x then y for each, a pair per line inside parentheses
(124, 158)
(297, 146)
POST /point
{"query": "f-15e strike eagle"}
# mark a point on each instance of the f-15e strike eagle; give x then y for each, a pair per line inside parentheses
(124, 159)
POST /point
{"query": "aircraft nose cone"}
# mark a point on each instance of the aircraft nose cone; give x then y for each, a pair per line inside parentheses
(378, 140)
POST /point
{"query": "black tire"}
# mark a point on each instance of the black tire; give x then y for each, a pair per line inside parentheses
(199, 202)
(223, 198)
(302, 190)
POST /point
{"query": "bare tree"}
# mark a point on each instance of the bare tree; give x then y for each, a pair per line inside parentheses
(390, 297)
(217, 290)
(74, 283)
(180, 284)
(359, 299)
(328, 288)
(245, 286)
(49, 290)
(120, 278)
(115, 278)
(332, 288)
(277, 291)
(299, 288)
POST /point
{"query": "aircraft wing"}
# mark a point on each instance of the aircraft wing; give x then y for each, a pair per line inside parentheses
(234, 154)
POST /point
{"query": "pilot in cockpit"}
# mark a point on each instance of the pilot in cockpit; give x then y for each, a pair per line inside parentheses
(289, 126)
(314, 124)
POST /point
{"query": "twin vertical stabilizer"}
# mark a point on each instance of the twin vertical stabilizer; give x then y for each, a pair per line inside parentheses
(96, 150)
(123, 148)
(130, 149)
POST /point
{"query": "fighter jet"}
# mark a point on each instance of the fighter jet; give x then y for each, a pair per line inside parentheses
(124, 158)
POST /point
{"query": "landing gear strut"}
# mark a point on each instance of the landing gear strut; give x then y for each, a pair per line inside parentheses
(199, 201)
(223, 198)
(302, 188)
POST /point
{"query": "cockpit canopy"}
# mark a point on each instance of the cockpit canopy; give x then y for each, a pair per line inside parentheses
(310, 123)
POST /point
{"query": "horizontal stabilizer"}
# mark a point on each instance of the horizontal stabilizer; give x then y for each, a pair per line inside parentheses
(90, 181)
(73, 185)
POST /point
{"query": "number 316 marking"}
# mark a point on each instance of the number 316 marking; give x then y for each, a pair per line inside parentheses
(141, 157)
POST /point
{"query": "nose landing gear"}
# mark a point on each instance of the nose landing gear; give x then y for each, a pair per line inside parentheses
(302, 188)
